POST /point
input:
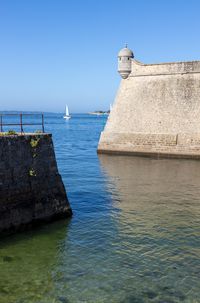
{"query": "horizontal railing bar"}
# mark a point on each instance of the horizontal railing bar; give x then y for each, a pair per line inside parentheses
(20, 114)
(18, 124)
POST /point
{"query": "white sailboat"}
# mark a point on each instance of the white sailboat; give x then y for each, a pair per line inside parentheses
(110, 108)
(67, 115)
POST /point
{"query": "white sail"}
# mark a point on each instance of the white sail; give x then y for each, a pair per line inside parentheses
(67, 111)
(110, 107)
(67, 116)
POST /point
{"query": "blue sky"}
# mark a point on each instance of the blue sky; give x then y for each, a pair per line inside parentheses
(61, 51)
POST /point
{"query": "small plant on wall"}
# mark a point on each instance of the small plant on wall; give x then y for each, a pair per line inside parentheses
(32, 173)
(34, 142)
(11, 132)
(34, 145)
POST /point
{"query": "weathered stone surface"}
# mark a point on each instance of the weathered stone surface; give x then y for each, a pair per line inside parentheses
(31, 189)
(156, 112)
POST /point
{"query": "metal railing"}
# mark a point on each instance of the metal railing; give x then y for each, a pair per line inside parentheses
(21, 123)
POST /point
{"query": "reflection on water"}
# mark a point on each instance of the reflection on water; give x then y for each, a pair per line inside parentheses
(134, 236)
(158, 225)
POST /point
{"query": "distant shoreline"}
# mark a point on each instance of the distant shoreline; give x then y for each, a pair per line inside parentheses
(99, 113)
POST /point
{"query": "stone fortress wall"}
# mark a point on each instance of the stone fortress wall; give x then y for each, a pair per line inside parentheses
(156, 111)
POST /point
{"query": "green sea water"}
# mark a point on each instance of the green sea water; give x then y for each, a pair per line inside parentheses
(27, 263)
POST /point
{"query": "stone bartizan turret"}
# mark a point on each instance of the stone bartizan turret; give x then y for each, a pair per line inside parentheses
(124, 62)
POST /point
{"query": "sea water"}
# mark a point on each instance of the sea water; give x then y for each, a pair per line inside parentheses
(134, 236)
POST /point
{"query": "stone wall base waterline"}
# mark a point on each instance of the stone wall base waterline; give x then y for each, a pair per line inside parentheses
(151, 145)
(31, 188)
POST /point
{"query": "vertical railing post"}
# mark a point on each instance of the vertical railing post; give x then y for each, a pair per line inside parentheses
(1, 124)
(43, 123)
(21, 124)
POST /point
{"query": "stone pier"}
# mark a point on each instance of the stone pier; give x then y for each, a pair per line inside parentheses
(31, 188)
